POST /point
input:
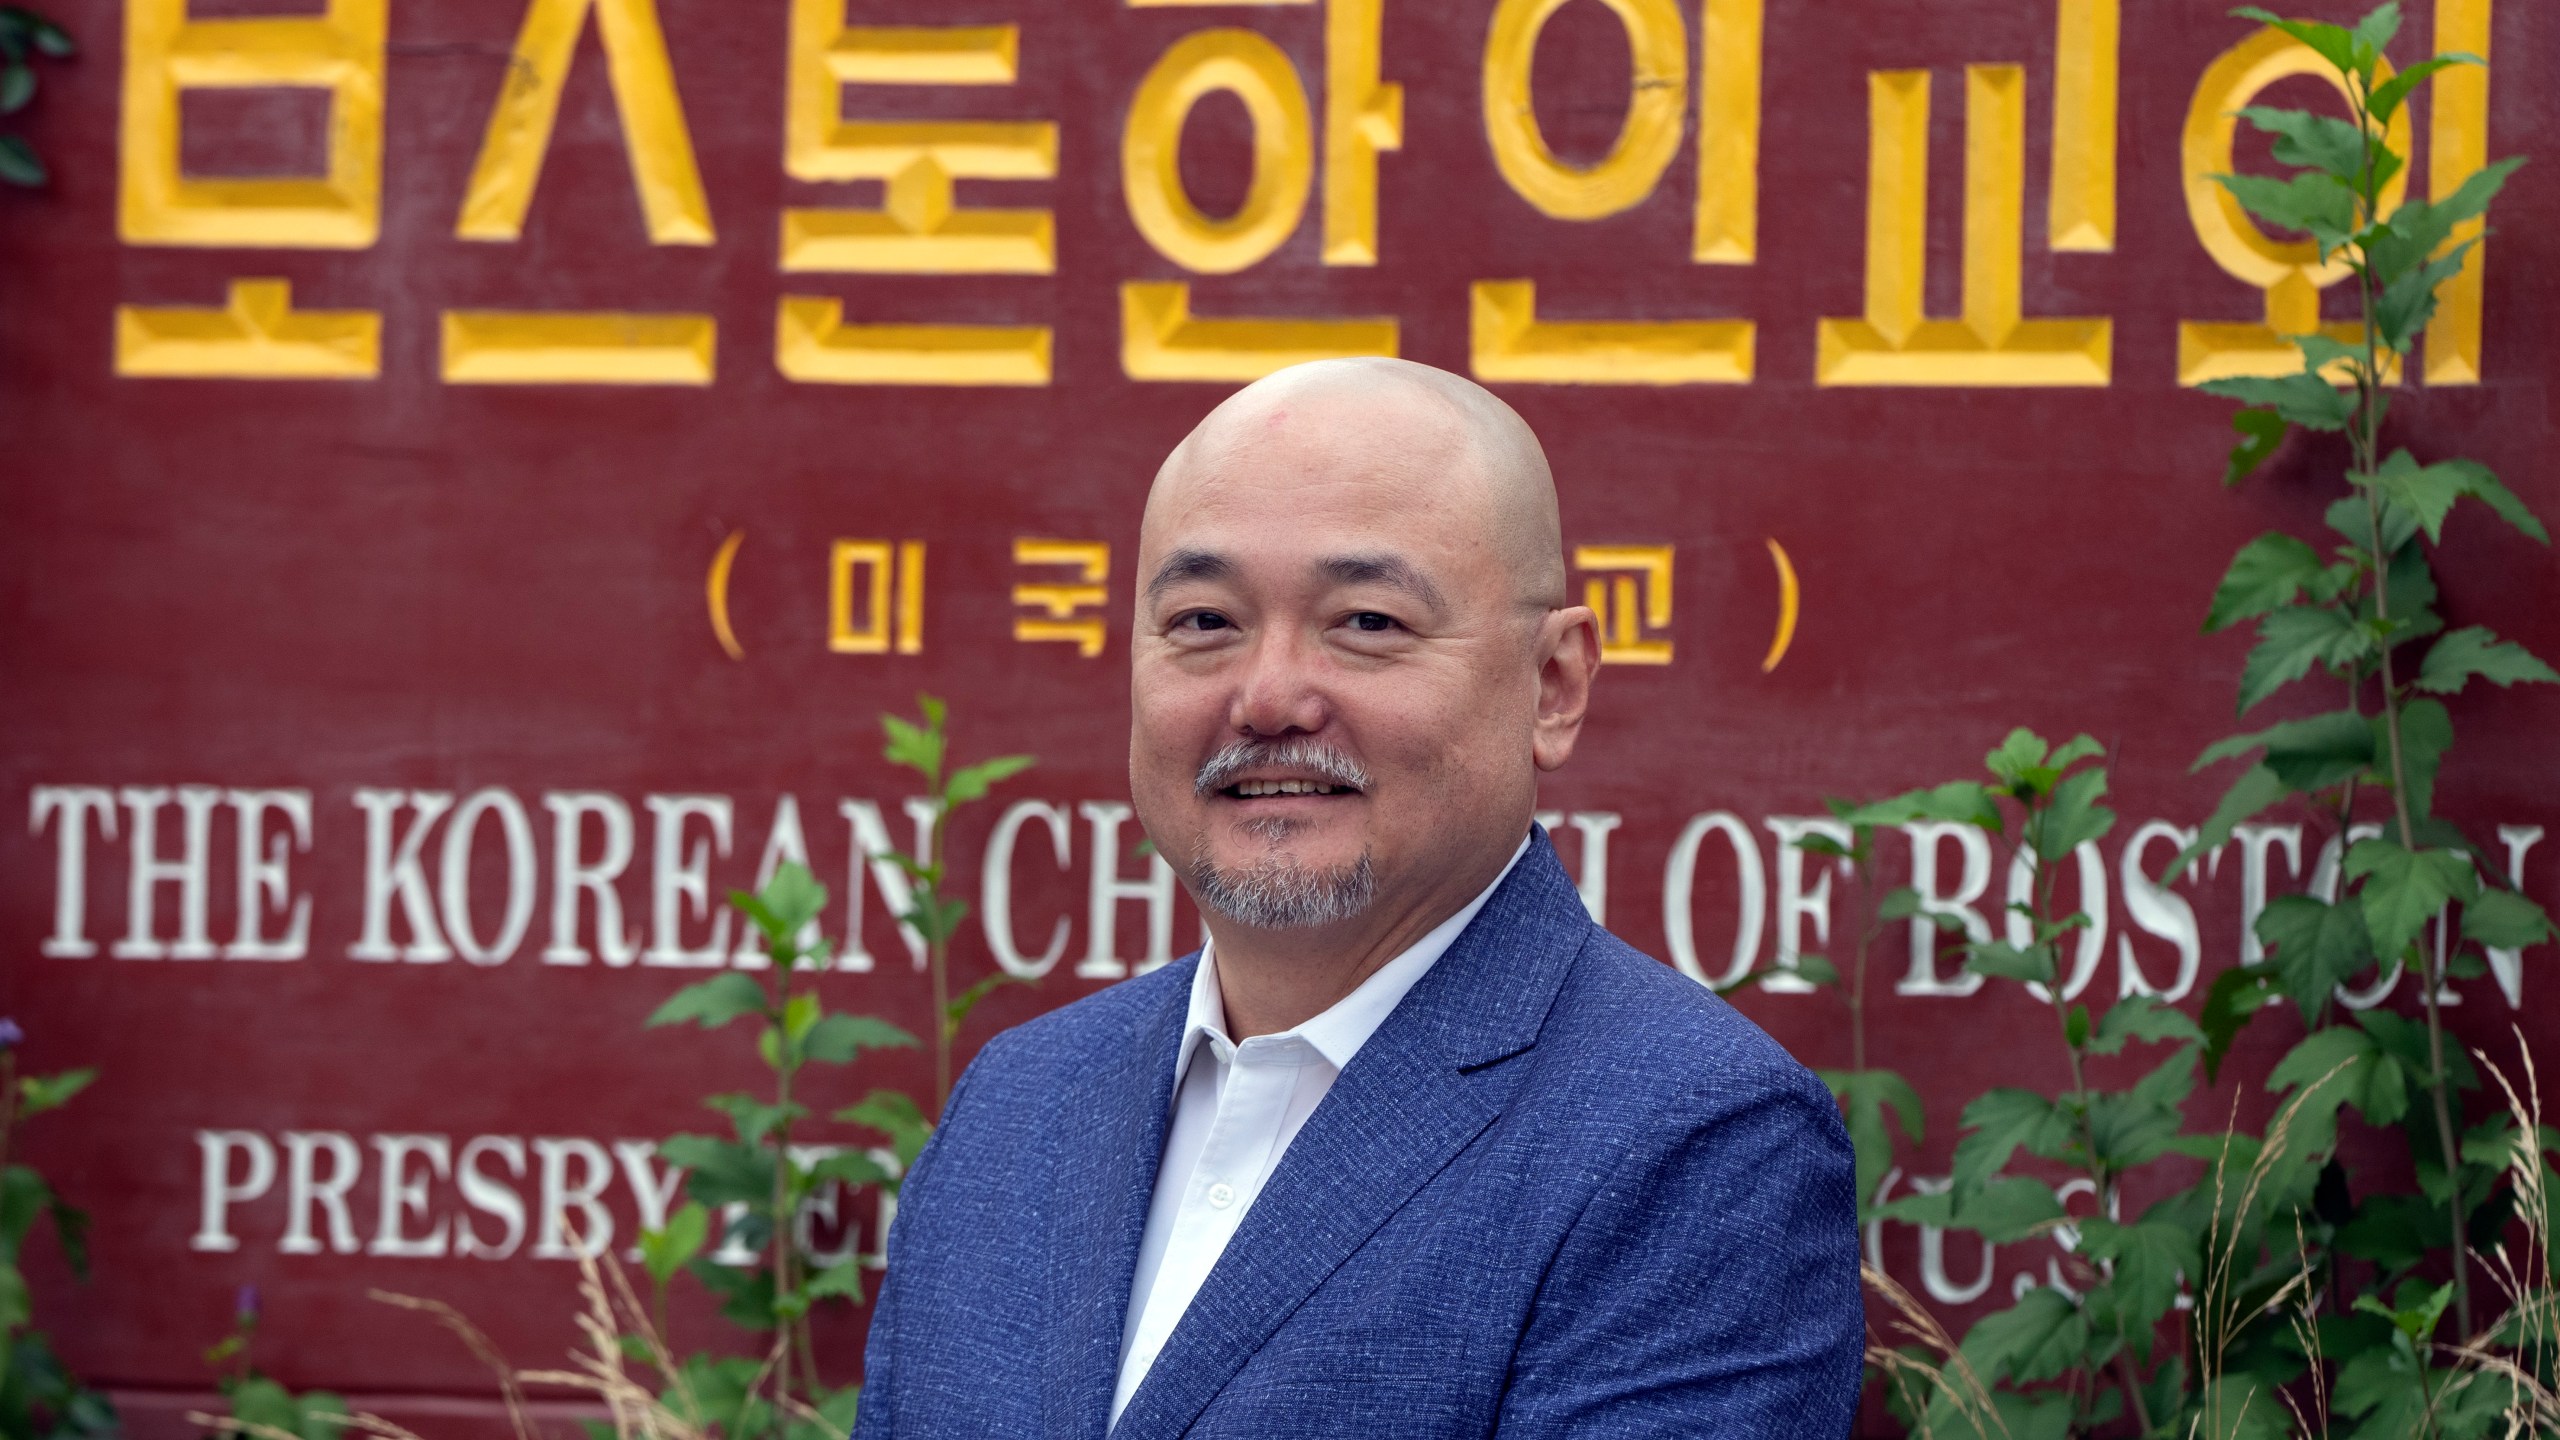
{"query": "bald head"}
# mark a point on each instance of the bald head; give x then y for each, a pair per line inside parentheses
(1398, 425)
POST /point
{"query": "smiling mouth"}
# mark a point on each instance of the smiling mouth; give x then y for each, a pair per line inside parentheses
(1265, 789)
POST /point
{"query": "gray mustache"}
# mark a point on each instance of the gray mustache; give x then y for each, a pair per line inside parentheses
(1306, 756)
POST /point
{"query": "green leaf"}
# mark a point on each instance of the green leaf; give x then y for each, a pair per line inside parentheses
(2403, 889)
(18, 162)
(2426, 732)
(2332, 43)
(2479, 484)
(2418, 230)
(2144, 1018)
(2040, 1337)
(722, 1171)
(2403, 308)
(2322, 142)
(2504, 920)
(2269, 571)
(2075, 1027)
(1997, 1123)
(257, 1400)
(2255, 790)
(2261, 434)
(2425, 491)
(837, 1039)
(973, 781)
(39, 1093)
(2149, 1257)
(17, 87)
(2019, 760)
(2137, 1126)
(850, 1168)
(791, 899)
(2306, 754)
(713, 1003)
(2003, 961)
(2473, 650)
(2075, 817)
(1965, 802)
(2373, 35)
(2319, 205)
(2293, 639)
(51, 39)
(2348, 517)
(2316, 945)
(753, 1118)
(956, 1013)
(666, 1250)
(2234, 996)
(913, 748)
(894, 1115)
(1865, 1098)
(2006, 1210)
(842, 1281)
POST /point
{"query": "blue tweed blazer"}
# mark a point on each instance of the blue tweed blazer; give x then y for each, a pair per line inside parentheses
(1562, 1191)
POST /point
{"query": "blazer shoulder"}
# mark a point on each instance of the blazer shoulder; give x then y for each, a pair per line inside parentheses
(1081, 1033)
(1626, 1003)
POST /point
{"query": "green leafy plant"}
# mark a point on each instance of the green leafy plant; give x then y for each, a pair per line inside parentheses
(25, 37)
(2360, 622)
(922, 746)
(39, 1400)
(259, 1406)
(748, 1191)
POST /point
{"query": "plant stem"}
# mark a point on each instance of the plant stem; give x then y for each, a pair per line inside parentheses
(1869, 925)
(8, 1104)
(938, 947)
(2366, 435)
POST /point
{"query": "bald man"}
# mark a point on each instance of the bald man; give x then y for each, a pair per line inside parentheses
(1412, 1147)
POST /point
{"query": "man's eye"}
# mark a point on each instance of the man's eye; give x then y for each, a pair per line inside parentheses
(1372, 622)
(1202, 621)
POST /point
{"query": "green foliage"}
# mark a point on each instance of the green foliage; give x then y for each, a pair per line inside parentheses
(39, 1399)
(2296, 1290)
(25, 37)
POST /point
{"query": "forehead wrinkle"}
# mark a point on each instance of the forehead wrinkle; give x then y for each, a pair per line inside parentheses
(1392, 571)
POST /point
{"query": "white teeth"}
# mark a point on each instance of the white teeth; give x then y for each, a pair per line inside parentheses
(1256, 788)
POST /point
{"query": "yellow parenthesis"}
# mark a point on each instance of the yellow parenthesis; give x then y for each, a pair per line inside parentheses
(1658, 47)
(1253, 70)
(166, 54)
(644, 94)
(2289, 271)
(1788, 600)
(715, 589)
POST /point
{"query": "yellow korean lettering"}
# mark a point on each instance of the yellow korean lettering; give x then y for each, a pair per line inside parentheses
(2080, 204)
(1631, 595)
(1362, 116)
(166, 53)
(2457, 148)
(1727, 229)
(2289, 271)
(920, 229)
(1160, 339)
(1062, 608)
(813, 344)
(644, 94)
(1992, 343)
(571, 347)
(1507, 341)
(1658, 51)
(256, 335)
(890, 581)
(1253, 70)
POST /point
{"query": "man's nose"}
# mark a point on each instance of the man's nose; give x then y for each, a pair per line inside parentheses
(1281, 689)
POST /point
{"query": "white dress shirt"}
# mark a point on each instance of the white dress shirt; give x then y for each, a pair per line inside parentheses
(1233, 1118)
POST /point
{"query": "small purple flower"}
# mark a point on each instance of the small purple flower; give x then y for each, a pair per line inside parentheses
(11, 1037)
(245, 1305)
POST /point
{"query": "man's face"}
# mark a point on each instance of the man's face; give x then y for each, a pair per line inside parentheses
(1335, 675)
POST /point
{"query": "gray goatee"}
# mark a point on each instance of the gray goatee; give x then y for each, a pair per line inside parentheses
(1277, 892)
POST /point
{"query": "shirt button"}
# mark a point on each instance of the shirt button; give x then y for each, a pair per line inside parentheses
(1222, 1195)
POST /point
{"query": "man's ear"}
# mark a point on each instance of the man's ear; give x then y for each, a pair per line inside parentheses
(1568, 656)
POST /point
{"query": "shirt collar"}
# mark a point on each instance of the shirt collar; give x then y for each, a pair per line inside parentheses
(1341, 1030)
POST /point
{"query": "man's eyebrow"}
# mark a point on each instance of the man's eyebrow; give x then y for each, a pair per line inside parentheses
(1184, 565)
(1392, 571)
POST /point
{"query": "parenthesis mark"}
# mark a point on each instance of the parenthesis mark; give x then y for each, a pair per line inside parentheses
(1788, 598)
(715, 590)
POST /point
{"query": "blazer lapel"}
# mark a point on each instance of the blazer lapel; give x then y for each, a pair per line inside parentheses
(1109, 1141)
(1403, 1109)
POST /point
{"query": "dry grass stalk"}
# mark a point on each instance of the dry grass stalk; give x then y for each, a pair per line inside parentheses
(1912, 1322)
(2532, 1407)
(479, 1346)
(361, 1422)
(2218, 1304)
